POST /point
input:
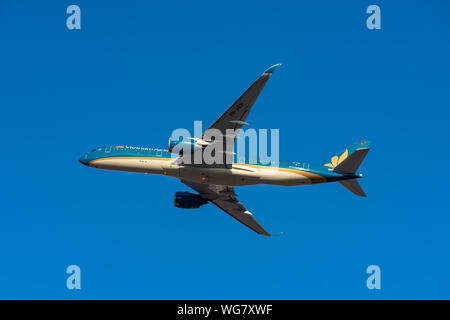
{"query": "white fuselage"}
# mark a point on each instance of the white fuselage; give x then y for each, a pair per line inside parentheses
(238, 175)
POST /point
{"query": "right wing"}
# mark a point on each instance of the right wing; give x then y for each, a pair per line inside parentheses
(233, 119)
(225, 198)
(235, 116)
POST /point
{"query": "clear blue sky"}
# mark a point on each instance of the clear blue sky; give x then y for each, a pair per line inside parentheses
(139, 69)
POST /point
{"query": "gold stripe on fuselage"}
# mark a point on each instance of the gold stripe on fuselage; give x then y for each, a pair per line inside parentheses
(138, 158)
(315, 178)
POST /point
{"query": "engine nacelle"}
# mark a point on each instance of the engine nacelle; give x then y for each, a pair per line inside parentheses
(187, 200)
(181, 145)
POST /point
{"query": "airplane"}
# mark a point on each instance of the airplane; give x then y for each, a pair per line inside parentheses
(215, 182)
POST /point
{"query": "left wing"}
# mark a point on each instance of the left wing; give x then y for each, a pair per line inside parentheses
(225, 198)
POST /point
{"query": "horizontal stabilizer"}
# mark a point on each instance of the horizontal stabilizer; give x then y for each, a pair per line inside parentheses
(352, 162)
(353, 186)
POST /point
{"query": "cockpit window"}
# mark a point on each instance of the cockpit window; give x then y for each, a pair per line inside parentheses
(93, 150)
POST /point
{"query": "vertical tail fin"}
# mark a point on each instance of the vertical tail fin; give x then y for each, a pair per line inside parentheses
(350, 160)
(348, 163)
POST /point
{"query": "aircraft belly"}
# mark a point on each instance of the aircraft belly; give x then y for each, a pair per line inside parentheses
(238, 175)
(280, 177)
(243, 175)
(221, 176)
(131, 165)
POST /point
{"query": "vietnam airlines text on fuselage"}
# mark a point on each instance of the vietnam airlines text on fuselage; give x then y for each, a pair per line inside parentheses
(160, 161)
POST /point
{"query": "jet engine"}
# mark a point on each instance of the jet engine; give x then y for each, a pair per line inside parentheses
(187, 200)
(178, 146)
(186, 144)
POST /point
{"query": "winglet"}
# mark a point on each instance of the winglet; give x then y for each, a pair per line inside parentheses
(272, 68)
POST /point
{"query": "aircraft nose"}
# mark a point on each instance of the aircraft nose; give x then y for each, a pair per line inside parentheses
(84, 160)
